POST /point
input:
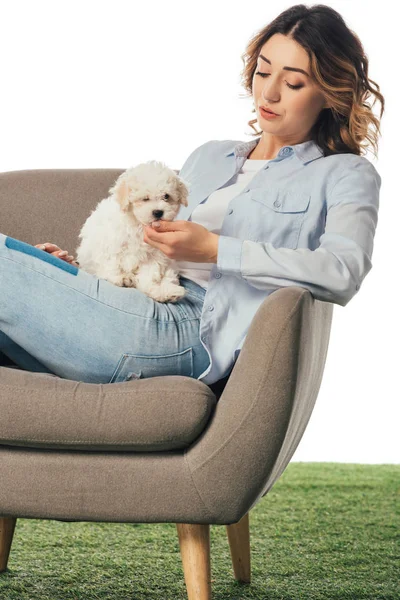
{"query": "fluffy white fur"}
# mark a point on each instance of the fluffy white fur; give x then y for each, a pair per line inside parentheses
(112, 245)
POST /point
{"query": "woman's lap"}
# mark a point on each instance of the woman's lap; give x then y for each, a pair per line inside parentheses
(59, 319)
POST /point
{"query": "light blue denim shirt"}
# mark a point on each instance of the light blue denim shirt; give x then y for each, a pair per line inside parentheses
(303, 220)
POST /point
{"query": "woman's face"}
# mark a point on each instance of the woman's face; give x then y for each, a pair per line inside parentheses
(298, 108)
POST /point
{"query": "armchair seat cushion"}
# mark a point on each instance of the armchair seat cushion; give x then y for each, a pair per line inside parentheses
(41, 410)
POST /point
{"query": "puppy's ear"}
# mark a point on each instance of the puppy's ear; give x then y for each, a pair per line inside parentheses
(121, 193)
(182, 191)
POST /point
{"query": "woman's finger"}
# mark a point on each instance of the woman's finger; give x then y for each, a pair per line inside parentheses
(48, 247)
(69, 259)
(56, 251)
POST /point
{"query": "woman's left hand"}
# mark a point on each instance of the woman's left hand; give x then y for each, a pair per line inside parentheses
(183, 240)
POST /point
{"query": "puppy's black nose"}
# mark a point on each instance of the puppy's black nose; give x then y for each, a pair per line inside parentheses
(158, 213)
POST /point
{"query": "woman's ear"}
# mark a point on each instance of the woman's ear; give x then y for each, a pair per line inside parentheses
(120, 190)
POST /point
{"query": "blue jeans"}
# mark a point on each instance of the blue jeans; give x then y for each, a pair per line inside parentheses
(56, 318)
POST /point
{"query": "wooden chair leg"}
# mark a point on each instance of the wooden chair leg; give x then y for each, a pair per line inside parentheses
(239, 544)
(7, 526)
(194, 544)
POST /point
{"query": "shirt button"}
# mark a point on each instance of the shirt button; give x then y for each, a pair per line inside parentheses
(210, 308)
(217, 275)
(277, 203)
(230, 211)
(357, 287)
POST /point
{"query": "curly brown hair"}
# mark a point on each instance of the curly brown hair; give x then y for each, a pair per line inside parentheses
(339, 66)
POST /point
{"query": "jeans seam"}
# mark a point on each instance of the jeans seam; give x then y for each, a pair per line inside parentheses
(96, 299)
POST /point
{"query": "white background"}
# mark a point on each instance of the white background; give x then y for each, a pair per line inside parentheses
(111, 84)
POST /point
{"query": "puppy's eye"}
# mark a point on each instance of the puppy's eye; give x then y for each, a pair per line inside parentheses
(146, 199)
(166, 196)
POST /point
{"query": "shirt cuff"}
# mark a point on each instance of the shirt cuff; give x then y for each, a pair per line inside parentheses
(229, 254)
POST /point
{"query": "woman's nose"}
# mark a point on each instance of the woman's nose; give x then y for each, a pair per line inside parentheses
(270, 92)
(270, 95)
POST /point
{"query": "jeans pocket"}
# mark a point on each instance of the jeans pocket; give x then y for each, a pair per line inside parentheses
(139, 366)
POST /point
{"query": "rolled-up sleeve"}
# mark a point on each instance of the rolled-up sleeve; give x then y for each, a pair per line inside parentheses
(334, 271)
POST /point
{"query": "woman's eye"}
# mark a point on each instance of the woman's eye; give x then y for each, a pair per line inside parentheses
(293, 87)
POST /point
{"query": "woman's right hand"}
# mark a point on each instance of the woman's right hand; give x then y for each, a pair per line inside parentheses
(56, 251)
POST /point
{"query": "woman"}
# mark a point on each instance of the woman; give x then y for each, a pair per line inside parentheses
(298, 205)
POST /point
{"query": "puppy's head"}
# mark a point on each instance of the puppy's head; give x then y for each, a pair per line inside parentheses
(150, 191)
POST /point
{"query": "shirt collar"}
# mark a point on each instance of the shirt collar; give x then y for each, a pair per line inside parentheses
(305, 152)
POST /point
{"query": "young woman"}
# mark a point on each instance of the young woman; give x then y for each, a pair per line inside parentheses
(297, 205)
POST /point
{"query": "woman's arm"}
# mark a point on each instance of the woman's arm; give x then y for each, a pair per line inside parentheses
(334, 271)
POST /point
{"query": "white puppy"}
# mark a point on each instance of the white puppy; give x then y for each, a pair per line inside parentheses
(112, 245)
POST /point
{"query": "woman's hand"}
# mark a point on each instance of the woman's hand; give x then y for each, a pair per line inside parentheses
(56, 251)
(183, 240)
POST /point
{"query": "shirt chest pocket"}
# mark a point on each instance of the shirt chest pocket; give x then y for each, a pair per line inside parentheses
(277, 215)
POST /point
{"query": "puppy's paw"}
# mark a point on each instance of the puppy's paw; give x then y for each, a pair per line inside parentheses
(120, 280)
(129, 281)
(174, 293)
(166, 293)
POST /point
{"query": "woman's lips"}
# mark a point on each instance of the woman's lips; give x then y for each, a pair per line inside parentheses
(267, 115)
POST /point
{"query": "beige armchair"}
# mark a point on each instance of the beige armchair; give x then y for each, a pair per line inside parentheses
(88, 452)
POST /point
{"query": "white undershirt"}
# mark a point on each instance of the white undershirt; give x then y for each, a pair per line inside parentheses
(211, 212)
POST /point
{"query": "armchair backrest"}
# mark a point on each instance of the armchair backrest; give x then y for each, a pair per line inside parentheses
(51, 205)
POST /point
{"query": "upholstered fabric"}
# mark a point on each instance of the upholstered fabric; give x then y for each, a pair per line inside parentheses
(43, 411)
(231, 451)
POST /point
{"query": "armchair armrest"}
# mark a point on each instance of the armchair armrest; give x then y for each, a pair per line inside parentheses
(266, 404)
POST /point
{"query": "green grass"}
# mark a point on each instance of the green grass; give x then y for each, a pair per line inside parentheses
(325, 530)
